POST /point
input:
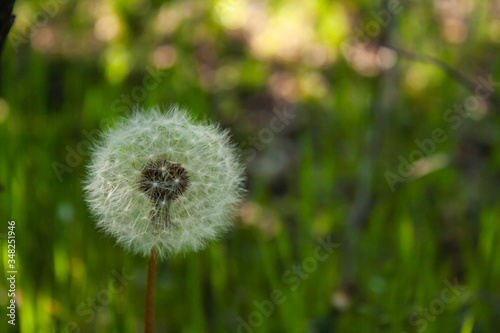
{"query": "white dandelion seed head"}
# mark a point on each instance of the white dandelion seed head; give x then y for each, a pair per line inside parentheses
(161, 179)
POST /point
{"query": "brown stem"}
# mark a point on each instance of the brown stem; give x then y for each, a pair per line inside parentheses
(450, 71)
(149, 308)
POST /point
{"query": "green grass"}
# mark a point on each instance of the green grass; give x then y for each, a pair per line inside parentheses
(433, 230)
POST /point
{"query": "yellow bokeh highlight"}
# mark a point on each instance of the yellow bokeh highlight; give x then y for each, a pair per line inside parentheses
(232, 14)
(118, 63)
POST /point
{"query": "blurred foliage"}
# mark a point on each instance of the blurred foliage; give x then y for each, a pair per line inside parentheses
(71, 67)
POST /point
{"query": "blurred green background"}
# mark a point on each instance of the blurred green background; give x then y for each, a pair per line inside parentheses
(420, 256)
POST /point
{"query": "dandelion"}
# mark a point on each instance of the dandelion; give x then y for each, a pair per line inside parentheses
(162, 184)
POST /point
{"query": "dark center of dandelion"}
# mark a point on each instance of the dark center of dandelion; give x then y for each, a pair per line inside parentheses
(163, 181)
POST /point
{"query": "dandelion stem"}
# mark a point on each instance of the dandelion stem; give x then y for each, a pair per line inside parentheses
(149, 308)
